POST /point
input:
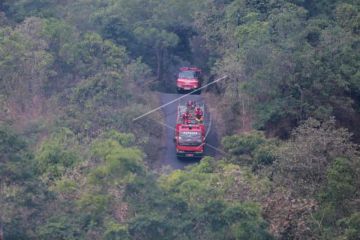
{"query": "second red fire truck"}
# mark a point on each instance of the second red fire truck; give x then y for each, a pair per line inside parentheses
(188, 79)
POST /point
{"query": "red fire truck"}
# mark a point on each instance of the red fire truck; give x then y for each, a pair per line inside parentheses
(190, 130)
(188, 79)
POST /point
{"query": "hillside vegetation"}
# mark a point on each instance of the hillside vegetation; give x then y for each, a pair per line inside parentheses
(74, 75)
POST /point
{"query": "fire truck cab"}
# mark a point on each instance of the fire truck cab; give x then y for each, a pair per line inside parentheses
(188, 79)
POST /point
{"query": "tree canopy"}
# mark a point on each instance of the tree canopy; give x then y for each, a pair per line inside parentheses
(74, 75)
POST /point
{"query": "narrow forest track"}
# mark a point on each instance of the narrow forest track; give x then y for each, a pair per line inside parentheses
(168, 151)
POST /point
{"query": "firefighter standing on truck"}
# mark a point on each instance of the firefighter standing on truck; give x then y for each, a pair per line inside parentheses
(186, 117)
(190, 104)
(199, 114)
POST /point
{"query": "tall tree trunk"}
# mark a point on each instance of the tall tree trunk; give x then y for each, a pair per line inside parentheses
(161, 68)
(1, 232)
(160, 65)
(236, 87)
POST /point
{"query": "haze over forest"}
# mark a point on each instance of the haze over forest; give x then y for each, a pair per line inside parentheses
(74, 75)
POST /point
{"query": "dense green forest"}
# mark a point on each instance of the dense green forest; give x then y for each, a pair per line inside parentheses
(74, 75)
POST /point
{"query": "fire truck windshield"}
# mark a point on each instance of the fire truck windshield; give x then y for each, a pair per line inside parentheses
(190, 138)
(187, 74)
